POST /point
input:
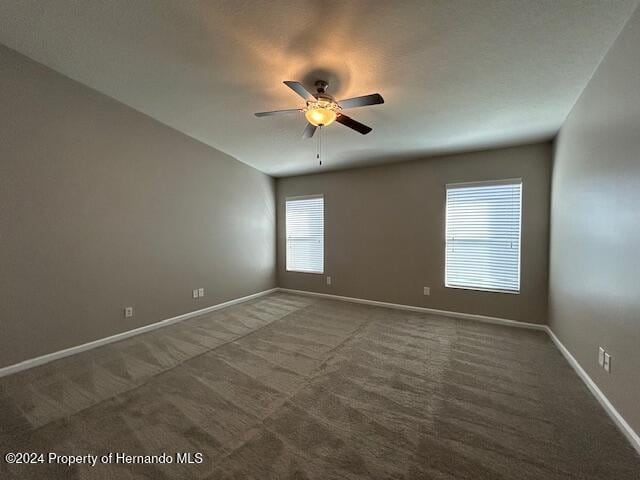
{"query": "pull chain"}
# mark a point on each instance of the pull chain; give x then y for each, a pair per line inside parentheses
(319, 145)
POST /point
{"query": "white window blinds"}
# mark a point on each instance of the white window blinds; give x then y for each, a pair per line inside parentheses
(483, 235)
(305, 234)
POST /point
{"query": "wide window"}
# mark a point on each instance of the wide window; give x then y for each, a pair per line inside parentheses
(305, 234)
(483, 236)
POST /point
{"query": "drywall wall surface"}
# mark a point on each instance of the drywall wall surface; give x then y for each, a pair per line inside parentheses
(385, 231)
(595, 226)
(102, 207)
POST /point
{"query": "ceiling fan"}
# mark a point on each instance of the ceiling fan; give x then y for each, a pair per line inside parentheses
(322, 109)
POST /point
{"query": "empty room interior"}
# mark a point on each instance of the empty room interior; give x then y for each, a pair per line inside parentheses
(320, 240)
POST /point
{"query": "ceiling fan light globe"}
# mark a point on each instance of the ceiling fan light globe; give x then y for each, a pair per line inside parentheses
(320, 116)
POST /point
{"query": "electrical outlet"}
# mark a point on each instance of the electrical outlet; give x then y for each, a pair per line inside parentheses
(128, 312)
(328, 280)
(201, 292)
(601, 356)
(607, 362)
(427, 291)
(195, 293)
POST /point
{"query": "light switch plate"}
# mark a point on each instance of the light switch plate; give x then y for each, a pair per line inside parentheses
(601, 356)
(607, 362)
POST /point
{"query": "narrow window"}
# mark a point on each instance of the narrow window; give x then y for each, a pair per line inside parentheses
(483, 236)
(305, 234)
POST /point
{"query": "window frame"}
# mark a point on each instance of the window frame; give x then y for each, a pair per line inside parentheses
(286, 239)
(487, 183)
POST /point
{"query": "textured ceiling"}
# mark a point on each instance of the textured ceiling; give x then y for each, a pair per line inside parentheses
(456, 75)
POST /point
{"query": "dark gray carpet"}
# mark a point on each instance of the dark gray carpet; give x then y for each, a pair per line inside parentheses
(291, 387)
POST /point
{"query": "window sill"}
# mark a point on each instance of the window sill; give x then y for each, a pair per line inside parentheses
(305, 271)
(486, 290)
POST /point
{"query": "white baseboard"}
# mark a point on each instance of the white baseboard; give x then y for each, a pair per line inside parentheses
(618, 419)
(50, 357)
(433, 311)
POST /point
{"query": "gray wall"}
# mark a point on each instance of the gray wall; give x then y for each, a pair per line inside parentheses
(384, 231)
(595, 225)
(102, 207)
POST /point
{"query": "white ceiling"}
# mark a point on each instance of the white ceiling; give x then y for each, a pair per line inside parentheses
(456, 75)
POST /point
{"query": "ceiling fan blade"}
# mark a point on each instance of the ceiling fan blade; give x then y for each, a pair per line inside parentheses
(351, 123)
(300, 90)
(373, 99)
(277, 112)
(309, 131)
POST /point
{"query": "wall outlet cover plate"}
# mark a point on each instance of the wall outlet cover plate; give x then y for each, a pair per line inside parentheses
(601, 356)
(607, 362)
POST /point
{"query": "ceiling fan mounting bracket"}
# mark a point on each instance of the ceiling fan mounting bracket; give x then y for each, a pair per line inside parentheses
(321, 86)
